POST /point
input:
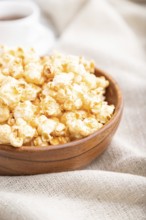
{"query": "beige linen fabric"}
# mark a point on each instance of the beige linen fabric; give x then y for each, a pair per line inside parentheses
(114, 186)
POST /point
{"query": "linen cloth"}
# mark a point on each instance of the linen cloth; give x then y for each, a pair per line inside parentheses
(113, 33)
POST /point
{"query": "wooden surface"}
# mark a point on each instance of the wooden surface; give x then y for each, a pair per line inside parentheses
(74, 155)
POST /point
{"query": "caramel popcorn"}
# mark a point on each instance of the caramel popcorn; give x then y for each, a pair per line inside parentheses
(49, 100)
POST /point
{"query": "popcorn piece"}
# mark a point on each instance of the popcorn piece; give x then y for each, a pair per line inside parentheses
(2, 77)
(102, 82)
(25, 110)
(5, 132)
(88, 65)
(33, 73)
(4, 113)
(39, 142)
(81, 114)
(50, 107)
(10, 91)
(16, 141)
(76, 68)
(69, 98)
(90, 80)
(11, 121)
(79, 125)
(48, 72)
(45, 126)
(60, 130)
(23, 130)
(48, 90)
(104, 113)
(72, 104)
(63, 79)
(30, 91)
(11, 65)
(17, 69)
(80, 129)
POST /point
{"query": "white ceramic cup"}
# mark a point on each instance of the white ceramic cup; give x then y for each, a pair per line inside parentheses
(18, 19)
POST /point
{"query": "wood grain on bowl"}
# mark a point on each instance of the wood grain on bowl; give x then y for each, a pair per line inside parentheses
(74, 155)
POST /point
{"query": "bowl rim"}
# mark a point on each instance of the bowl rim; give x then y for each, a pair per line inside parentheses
(117, 112)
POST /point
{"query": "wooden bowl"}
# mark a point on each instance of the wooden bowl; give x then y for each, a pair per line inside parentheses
(74, 155)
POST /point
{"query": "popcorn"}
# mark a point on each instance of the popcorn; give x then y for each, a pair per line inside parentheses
(49, 106)
(2, 77)
(10, 91)
(4, 113)
(104, 112)
(16, 141)
(88, 65)
(60, 130)
(30, 91)
(90, 80)
(45, 126)
(69, 97)
(39, 142)
(24, 110)
(33, 73)
(48, 72)
(5, 132)
(63, 79)
(79, 129)
(49, 100)
(23, 130)
(80, 125)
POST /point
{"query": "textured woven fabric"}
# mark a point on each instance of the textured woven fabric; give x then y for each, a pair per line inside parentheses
(113, 33)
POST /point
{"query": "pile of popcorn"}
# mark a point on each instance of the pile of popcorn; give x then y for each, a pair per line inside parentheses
(49, 100)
